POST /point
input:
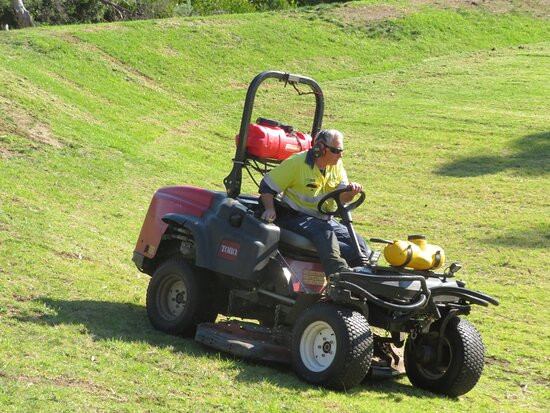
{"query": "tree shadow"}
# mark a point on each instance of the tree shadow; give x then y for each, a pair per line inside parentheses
(128, 322)
(532, 157)
(528, 238)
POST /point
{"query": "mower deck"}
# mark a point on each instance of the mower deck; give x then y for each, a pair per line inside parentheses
(255, 342)
(243, 339)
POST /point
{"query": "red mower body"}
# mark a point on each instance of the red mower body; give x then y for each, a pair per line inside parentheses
(172, 199)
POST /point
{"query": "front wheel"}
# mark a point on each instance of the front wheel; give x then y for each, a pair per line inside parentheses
(332, 346)
(179, 298)
(459, 367)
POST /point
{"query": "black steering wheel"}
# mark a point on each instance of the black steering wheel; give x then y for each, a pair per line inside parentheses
(341, 209)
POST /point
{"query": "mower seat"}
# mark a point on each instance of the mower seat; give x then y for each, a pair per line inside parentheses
(295, 241)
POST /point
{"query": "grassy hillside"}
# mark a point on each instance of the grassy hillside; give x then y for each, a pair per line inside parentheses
(446, 114)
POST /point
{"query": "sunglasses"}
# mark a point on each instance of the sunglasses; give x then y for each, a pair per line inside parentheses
(334, 150)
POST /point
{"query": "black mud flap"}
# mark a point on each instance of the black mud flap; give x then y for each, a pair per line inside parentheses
(245, 340)
(387, 362)
(384, 372)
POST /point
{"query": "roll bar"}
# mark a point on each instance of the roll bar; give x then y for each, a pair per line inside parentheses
(233, 181)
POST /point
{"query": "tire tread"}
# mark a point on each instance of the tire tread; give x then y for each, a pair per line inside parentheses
(465, 369)
(357, 344)
(202, 309)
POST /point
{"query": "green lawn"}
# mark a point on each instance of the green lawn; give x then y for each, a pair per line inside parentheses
(447, 119)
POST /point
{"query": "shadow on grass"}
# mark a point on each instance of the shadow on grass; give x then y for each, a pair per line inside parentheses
(532, 157)
(109, 320)
(282, 376)
(128, 322)
(528, 238)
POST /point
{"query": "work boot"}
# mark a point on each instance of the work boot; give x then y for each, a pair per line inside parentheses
(365, 269)
(359, 261)
(336, 275)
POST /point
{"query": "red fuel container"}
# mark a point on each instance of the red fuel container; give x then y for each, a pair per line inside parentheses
(275, 142)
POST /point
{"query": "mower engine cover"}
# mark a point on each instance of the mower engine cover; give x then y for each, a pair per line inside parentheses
(271, 139)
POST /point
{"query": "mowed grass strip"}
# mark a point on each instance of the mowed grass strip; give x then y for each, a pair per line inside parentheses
(447, 126)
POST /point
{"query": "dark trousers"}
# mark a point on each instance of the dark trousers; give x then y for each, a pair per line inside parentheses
(331, 239)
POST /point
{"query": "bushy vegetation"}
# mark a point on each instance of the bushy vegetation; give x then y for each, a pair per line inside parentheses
(57, 11)
(54, 12)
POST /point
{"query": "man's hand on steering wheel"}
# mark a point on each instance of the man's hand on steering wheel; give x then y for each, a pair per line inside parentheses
(342, 210)
(353, 189)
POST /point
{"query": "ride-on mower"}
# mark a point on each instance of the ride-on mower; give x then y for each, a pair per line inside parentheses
(209, 253)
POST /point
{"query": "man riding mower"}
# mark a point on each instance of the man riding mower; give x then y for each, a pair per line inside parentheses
(211, 253)
(302, 181)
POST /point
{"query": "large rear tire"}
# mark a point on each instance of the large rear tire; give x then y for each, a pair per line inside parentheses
(332, 346)
(460, 366)
(179, 298)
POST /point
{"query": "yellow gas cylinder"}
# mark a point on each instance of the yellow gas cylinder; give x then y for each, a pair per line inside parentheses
(415, 253)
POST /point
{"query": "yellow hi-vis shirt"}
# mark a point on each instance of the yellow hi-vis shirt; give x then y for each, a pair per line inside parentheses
(301, 186)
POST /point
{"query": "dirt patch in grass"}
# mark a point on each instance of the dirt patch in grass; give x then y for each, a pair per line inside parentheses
(85, 385)
(5, 153)
(368, 13)
(169, 52)
(4, 227)
(543, 381)
(497, 361)
(538, 8)
(94, 28)
(237, 85)
(18, 121)
(73, 255)
(10, 311)
(357, 14)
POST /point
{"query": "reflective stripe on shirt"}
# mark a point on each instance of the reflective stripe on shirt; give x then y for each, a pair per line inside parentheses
(303, 186)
